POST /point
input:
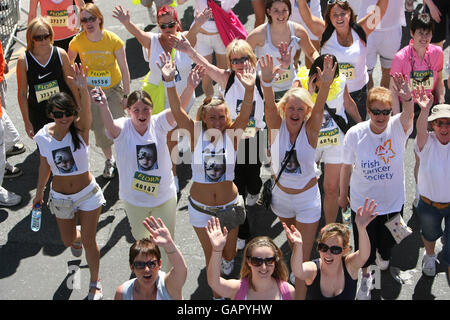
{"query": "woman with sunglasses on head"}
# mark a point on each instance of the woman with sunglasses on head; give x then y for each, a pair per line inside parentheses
(421, 63)
(373, 163)
(64, 149)
(146, 183)
(103, 53)
(263, 273)
(334, 275)
(346, 38)
(266, 39)
(145, 262)
(294, 125)
(42, 71)
(214, 139)
(433, 148)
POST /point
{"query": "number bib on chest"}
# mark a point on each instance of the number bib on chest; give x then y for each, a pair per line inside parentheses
(250, 130)
(99, 78)
(329, 138)
(284, 77)
(348, 70)
(419, 78)
(45, 90)
(146, 183)
(58, 18)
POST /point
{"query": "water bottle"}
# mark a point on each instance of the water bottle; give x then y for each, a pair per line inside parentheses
(36, 215)
(347, 217)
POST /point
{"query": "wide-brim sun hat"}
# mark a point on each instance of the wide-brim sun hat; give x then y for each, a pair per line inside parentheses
(439, 111)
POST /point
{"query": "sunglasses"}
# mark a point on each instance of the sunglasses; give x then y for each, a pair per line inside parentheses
(41, 37)
(334, 1)
(322, 247)
(152, 264)
(168, 25)
(441, 124)
(90, 19)
(377, 112)
(240, 60)
(60, 114)
(258, 262)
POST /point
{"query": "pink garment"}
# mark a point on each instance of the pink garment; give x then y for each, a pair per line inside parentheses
(228, 25)
(407, 58)
(282, 285)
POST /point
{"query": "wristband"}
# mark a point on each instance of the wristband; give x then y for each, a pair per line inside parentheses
(266, 84)
(168, 84)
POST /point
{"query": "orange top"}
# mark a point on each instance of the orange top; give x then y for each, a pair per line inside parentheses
(2, 67)
(62, 17)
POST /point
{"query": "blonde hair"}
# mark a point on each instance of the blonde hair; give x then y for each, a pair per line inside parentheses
(379, 94)
(240, 47)
(210, 103)
(280, 271)
(33, 27)
(94, 11)
(335, 230)
(299, 93)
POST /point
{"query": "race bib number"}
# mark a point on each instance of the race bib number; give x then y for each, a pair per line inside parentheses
(58, 18)
(329, 138)
(419, 78)
(45, 90)
(146, 183)
(348, 70)
(99, 78)
(284, 77)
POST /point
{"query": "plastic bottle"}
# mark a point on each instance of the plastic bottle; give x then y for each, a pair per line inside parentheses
(347, 217)
(36, 215)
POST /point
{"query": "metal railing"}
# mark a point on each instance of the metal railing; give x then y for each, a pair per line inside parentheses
(9, 23)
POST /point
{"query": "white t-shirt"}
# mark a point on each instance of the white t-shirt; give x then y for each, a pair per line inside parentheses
(210, 25)
(352, 60)
(144, 163)
(377, 160)
(393, 17)
(434, 169)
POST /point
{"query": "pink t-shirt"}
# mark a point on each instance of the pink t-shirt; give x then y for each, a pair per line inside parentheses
(408, 63)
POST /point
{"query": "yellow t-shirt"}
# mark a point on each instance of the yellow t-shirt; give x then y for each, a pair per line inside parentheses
(103, 69)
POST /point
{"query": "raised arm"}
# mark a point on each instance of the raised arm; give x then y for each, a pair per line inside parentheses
(315, 24)
(32, 10)
(247, 78)
(305, 42)
(123, 66)
(350, 106)
(364, 216)
(401, 89)
(193, 80)
(124, 18)
(314, 122)
(176, 277)
(68, 73)
(225, 288)
(100, 100)
(199, 19)
(425, 103)
(83, 123)
(373, 18)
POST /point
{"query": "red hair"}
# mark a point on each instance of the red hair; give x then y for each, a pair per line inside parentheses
(164, 10)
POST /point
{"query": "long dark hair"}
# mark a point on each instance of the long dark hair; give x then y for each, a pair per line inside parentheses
(64, 101)
(330, 28)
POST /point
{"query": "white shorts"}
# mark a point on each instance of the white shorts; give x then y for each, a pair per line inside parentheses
(305, 207)
(207, 44)
(330, 154)
(92, 203)
(383, 43)
(199, 219)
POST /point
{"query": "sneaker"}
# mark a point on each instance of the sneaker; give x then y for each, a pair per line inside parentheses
(365, 288)
(429, 265)
(227, 266)
(251, 199)
(13, 172)
(110, 168)
(18, 148)
(8, 198)
(382, 264)
(240, 244)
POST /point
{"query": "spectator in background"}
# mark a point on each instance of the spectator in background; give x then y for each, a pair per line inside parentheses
(440, 12)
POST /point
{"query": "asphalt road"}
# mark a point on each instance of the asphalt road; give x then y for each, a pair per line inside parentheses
(37, 265)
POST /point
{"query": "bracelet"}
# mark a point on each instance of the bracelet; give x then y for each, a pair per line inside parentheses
(267, 84)
(168, 84)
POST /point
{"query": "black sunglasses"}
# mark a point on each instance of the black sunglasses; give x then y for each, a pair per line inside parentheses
(141, 264)
(322, 247)
(60, 114)
(377, 112)
(240, 60)
(334, 1)
(41, 37)
(168, 25)
(257, 262)
(90, 19)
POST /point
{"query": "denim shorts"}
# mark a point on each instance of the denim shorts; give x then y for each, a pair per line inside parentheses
(430, 219)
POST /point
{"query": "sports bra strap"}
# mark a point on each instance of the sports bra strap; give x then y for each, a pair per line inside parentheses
(284, 289)
(243, 289)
